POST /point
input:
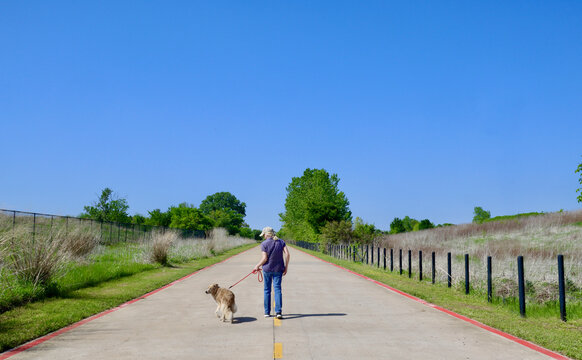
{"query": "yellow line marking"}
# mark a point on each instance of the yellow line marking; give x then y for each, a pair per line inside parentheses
(277, 322)
(278, 351)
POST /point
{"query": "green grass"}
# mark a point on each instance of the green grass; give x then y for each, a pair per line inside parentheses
(116, 261)
(113, 262)
(30, 321)
(542, 325)
(514, 217)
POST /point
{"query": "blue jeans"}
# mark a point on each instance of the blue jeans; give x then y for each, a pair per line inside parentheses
(276, 278)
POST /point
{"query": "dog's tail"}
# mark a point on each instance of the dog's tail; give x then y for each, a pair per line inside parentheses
(234, 308)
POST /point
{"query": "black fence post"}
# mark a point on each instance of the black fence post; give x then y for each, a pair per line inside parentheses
(367, 254)
(378, 256)
(409, 263)
(384, 259)
(433, 267)
(449, 275)
(33, 225)
(466, 273)
(489, 281)
(391, 259)
(400, 261)
(372, 255)
(420, 265)
(521, 282)
(562, 286)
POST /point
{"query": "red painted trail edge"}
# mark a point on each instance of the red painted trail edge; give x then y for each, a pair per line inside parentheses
(47, 337)
(451, 313)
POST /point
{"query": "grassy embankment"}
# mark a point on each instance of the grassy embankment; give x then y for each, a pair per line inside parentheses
(103, 278)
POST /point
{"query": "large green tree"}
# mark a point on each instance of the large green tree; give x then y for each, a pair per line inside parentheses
(225, 211)
(227, 219)
(223, 201)
(108, 207)
(313, 200)
(185, 216)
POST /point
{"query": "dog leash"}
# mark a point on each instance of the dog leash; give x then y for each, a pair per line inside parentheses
(259, 277)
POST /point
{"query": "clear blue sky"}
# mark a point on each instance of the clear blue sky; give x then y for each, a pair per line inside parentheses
(422, 108)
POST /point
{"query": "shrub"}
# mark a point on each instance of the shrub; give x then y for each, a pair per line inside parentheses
(34, 257)
(161, 243)
(337, 232)
(80, 242)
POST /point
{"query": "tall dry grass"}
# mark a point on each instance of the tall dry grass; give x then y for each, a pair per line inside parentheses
(216, 242)
(171, 246)
(539, 239)
(161, 243)
(39, 256)
(32, 258)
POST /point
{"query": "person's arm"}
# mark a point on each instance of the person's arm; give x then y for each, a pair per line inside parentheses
(287, 256)
(264, 259)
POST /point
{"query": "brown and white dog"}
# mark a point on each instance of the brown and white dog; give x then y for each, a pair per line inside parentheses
(225, 300)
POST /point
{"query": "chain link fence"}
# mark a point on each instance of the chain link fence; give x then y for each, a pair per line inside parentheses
(107, 232)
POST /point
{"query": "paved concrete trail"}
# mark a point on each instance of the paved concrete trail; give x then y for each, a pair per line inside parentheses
(329, 314)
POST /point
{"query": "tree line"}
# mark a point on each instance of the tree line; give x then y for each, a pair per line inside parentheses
(221, 209)
(315, 210)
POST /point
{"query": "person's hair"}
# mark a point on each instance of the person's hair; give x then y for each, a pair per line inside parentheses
(271, 234)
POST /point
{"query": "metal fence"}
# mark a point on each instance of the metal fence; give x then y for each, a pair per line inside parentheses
(392, 260)
(107, 232)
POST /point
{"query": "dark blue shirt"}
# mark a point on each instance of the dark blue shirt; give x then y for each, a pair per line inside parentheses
(274, 250)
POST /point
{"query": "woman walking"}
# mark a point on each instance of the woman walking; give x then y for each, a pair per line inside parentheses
(275, 263)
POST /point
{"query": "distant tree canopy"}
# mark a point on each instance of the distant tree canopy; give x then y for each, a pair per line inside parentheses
(312, 201)
(218, 210)
(225, 211)
(138, 219)
(159, 218)
(579, 190)
(480, 215)
(409, 224)
(223, 201)
(397, 226)
(186, 216)
(108, 208)
(425, 224)
(337, 232)
(364, 232)
(343, 231)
